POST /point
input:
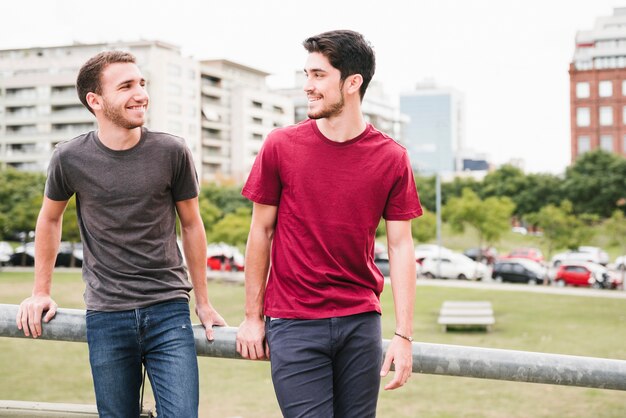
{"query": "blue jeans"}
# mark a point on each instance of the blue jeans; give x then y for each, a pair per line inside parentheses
(326, 367)
(160, 337)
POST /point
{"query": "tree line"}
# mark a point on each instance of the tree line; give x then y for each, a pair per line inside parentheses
(565, 207)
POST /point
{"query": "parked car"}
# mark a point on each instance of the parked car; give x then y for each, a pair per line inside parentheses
(453, 266)
(487, 255)
(584, 253)
(224, 257)
(586, 274)
(24, 255)
(382, 262)
(620, 262)
(518, 270)
(6, 250)
(529, 253)
(519, 230)
(430, 250)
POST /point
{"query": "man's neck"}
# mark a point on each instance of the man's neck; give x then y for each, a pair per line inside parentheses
(118, 138)
(342, 128)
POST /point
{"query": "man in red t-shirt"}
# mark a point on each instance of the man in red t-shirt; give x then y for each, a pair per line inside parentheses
(319, 190)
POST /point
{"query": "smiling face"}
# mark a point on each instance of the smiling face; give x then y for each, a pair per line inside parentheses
(124, 100)
(323, 87)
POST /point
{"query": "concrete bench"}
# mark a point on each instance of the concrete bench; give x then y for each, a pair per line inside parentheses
(462, 314)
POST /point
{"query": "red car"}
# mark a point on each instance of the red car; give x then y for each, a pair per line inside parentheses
(586, 274)
(529, 253)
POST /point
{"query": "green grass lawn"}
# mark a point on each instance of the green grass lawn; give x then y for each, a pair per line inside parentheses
(59, 372)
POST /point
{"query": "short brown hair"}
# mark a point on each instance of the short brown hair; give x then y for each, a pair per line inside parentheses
(89, 75)
(347, 51)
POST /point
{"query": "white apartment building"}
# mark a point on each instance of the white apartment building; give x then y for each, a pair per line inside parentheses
(238, 111)
(39, 106)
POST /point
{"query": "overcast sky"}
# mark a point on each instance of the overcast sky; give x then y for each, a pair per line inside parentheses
(509, 57)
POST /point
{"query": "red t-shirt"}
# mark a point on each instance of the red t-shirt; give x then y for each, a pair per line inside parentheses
(330, 198)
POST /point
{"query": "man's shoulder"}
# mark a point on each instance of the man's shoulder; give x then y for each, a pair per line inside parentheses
(387, 142)
(164, 138)
(288, 132)
(75, 144)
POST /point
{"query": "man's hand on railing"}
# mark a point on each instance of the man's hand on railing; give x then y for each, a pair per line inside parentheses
(251, 342)
(30, 312)
(209, 318)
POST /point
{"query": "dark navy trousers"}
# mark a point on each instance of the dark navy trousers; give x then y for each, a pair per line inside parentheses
(326, 367)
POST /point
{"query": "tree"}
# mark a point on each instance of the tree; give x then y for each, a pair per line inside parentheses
(489, 217)
(539, 190)
(507, 180)
(209, 213)
(426, 191)
(561, 228)
(20, 200)
(233, 228)
(424, 228)
(70, 231)
(226, 198)
(616, 228)
(596, 183)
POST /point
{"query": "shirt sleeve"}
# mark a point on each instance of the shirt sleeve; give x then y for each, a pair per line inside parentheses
(57, 185)
(403, 202)
(185, 183)
(264, 185)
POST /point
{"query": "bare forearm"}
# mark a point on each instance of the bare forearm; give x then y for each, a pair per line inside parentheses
(194, 246)
(47, 239)
(257, 266)
(402, 272)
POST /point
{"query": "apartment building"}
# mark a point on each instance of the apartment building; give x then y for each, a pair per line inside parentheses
(223, 109)
(598, 87)
(238, 111)
(435, 132)
(39, 106)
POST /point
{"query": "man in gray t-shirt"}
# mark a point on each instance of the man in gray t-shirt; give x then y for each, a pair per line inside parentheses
(129, 184)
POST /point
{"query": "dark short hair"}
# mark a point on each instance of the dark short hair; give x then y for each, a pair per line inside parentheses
(90, 73)
(347, 51)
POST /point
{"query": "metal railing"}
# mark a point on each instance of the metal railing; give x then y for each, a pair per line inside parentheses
(438, 359)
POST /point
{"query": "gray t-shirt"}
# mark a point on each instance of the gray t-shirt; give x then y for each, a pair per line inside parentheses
(126, 213)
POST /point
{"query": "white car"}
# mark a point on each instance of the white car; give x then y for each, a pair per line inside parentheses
(6, 251)
(423, 251)
(453, 266)
(620, 262)
(584, 253)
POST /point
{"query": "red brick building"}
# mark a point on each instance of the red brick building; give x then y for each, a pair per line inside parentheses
(598, 87)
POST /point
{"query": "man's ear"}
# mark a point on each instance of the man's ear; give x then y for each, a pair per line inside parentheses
(353, 83)
(94, 101)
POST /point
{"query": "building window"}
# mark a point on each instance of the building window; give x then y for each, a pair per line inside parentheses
(583, 116)
(257, 105)
(174, 108)
(606, 115)
(258, 137)
(606, 143)
(605, 88)
(584, 144)
(173, 70)
(174, 90)
(623, 87)
(624, 144)
(257, 121)
(582, 90)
